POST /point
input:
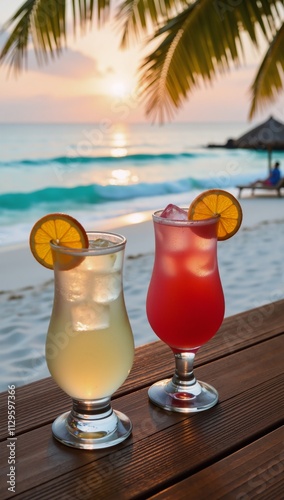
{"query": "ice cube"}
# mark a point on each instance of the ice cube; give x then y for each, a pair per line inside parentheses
(200, 264)
(101, 263)
(89, 316)
(101, 243)
(77, 290)
(73, 285)
(173, 212)
(107, 287)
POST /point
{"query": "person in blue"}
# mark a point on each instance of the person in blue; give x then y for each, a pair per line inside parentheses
(273, 178)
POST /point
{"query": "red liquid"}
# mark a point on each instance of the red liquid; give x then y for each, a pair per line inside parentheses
(185, 301)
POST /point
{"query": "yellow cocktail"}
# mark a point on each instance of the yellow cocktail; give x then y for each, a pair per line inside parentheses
(89, 345)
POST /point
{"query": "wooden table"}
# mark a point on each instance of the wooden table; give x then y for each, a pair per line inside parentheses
(232, 451)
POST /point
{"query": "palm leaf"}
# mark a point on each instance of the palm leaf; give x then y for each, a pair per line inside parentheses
(270, 76)
(15, 47)
(197, 45)
(140, 16)
(44, 23)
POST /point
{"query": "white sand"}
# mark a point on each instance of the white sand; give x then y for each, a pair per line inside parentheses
(18, 268)
(251, 267)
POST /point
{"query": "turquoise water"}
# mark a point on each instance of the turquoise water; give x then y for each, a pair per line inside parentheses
(105, 170)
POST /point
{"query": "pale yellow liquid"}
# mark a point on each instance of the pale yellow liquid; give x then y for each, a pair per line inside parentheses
(89, 347)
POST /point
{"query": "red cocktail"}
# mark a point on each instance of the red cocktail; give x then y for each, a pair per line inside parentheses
(185, 305)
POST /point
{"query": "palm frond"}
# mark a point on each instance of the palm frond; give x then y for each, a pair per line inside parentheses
(43, 22)
(197, 45)
(84, 12)
(37, 20)
(269, 81)
(140, 16)
(16, 45)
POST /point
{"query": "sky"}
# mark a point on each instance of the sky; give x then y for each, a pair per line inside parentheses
(93, 80)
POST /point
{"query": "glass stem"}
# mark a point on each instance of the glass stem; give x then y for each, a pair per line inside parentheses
(184, 377)
(94, 417)
(92, 408)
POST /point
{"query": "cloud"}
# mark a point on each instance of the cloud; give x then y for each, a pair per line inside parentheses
(69, 64)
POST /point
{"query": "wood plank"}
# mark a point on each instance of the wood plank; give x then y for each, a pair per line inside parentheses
(256, 471)
(237, 333)
(155, 463)
(250, 327)
(241, 379)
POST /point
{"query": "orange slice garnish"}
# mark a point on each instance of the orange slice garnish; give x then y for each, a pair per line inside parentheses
(61, 229)
(216, 202)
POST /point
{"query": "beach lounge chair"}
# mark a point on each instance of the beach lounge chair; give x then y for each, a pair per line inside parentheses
(277, 187)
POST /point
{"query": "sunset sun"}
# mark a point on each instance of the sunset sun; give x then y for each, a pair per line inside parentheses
(119, 88)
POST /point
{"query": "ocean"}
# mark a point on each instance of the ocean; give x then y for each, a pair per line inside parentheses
(101, 171)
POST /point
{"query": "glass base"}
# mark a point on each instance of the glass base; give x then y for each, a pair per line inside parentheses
(173, 397)
(91, 426)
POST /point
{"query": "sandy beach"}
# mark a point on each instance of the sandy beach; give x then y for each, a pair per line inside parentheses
(251, 267)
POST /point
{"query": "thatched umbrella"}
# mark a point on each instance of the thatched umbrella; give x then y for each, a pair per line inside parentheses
(269, 135)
